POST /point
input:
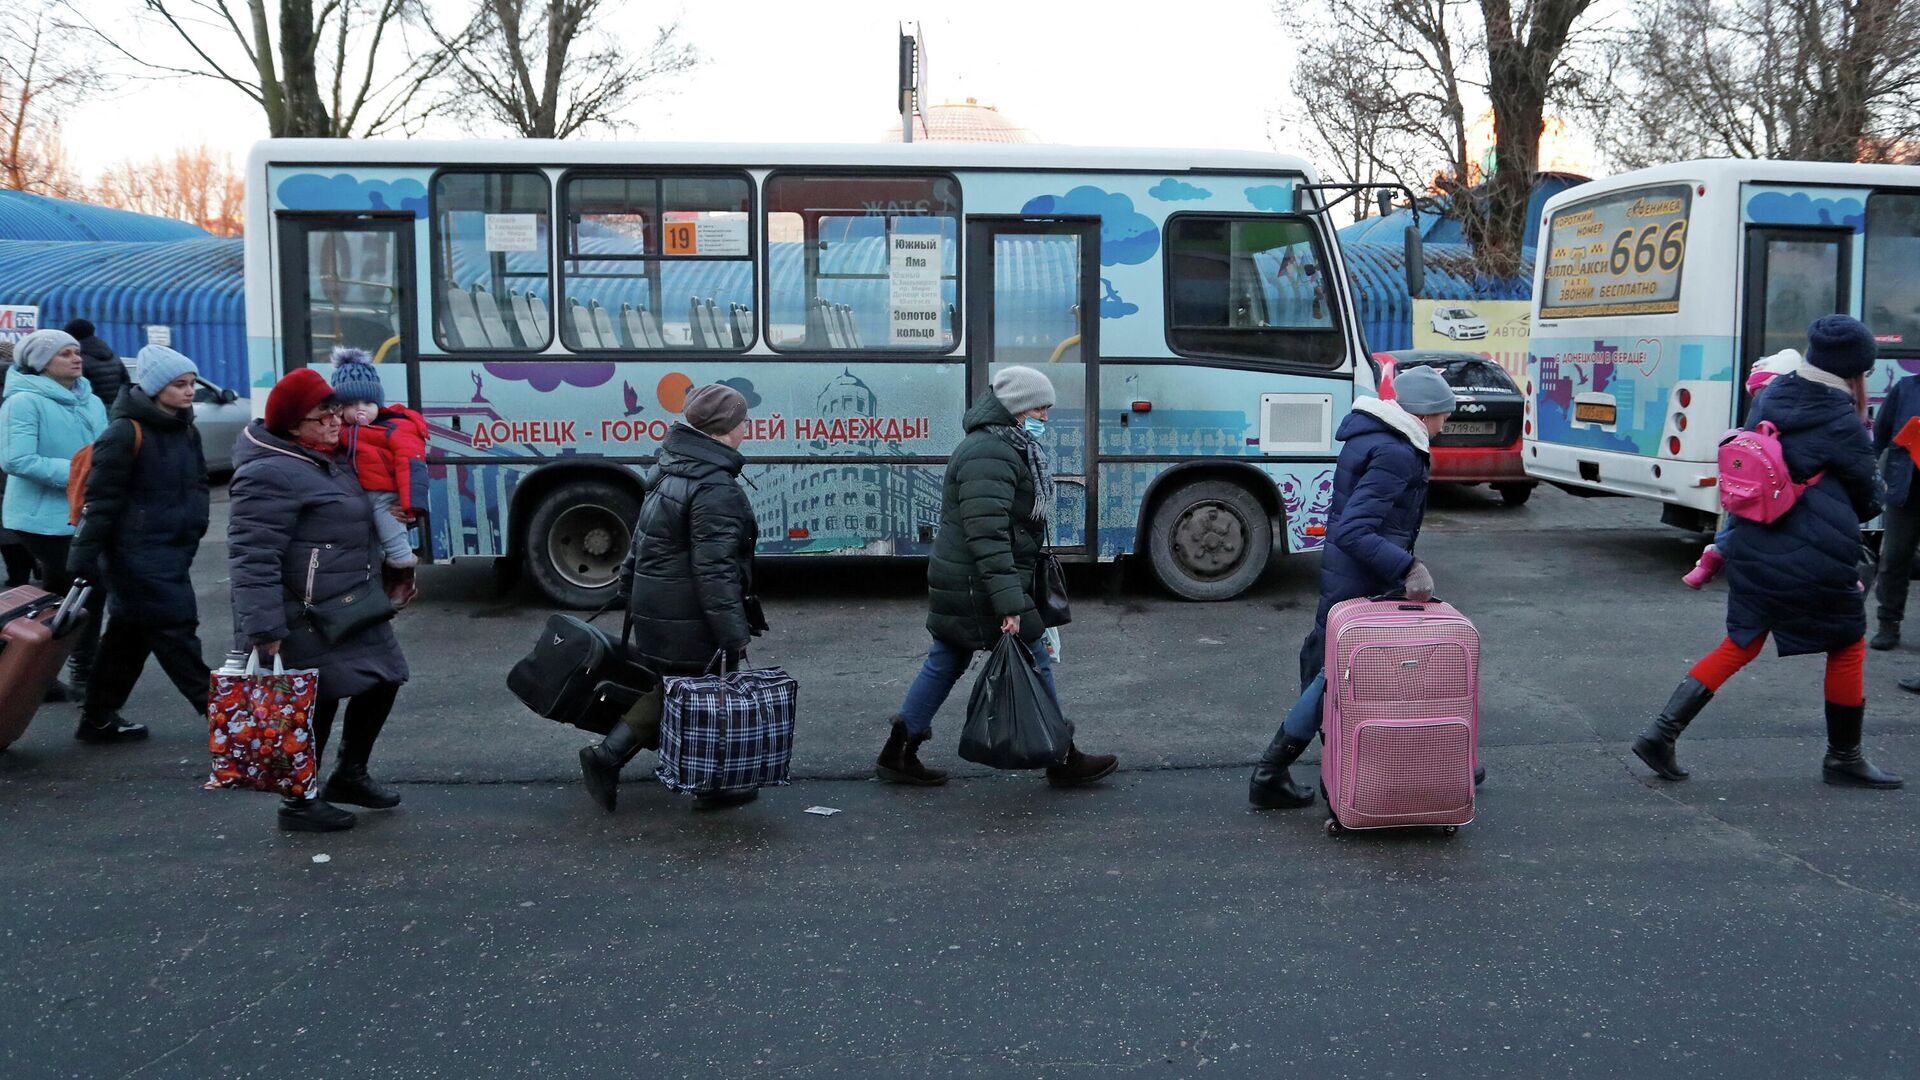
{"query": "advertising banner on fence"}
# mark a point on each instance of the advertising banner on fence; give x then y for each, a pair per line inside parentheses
(1497, 328)
(17, 321)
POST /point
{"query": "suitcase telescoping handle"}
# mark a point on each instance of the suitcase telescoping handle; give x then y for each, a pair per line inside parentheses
(72, 612)
(1405, 604)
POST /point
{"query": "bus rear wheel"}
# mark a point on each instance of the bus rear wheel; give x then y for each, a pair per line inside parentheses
(577, 539)
(1515, 494)
(1209, 540)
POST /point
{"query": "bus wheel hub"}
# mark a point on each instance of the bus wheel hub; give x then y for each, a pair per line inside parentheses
(1210, 539)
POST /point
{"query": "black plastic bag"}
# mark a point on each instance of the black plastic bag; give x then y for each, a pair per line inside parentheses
(1013, 722)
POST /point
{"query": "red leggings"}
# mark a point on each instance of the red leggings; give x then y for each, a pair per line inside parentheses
(1846, 669)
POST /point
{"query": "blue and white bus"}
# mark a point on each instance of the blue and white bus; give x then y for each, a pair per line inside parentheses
(1655, 291)
(547, 305)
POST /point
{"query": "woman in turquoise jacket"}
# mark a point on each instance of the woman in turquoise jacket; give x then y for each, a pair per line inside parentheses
(49, 413)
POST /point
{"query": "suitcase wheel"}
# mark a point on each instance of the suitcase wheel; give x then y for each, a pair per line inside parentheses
(1449, 830)
(1333, 826)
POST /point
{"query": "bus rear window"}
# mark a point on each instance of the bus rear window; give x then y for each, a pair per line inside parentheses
(1891, 293)
(1618, 254)
(862, 262)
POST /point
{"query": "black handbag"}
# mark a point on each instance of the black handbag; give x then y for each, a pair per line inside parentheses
(339, 618)
(1050, 592)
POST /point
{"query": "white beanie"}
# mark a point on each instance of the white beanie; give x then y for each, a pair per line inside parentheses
(1021, 389)
(37, 350)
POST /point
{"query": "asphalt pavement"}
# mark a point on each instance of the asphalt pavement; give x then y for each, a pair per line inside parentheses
(1592, 922)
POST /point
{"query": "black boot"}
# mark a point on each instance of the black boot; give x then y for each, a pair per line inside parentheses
(899, 761)
(313, 815)
(350, 784)
(1655, 747)
(108, 727)
(1080, 769)
(1887, 637)
(1272, 786)
(600, 764)
(1845, 764)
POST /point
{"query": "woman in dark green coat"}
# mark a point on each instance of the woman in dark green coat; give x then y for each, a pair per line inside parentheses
(994, 506)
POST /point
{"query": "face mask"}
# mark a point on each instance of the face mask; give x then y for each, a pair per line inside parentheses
(1034, 426)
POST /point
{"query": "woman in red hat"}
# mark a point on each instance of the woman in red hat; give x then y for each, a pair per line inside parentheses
(301, 533)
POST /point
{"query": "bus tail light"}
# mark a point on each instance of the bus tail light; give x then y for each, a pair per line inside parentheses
(1673, 445)
(1316, 530)
(798, 534)
(1685, 397)
(1707, 481)
(1680, 421)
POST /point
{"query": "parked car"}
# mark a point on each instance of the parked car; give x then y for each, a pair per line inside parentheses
(1458, 323)
(220, 415)
(1480, 443)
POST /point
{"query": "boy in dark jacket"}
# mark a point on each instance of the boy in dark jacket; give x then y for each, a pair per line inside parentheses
(689, 578)
(104, 370)
(146, 510)
(1901, 517)
(1379, 501)
(1797, 578)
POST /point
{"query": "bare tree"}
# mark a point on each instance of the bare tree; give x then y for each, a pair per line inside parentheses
(192, 184)
(336, 69)
(1343, 105)
(38, 80)
(1821, 80)
(545, 69)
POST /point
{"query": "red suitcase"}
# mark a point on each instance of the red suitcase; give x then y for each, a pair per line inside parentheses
(37, 632)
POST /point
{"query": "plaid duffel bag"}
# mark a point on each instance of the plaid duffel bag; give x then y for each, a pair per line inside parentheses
(729, 732)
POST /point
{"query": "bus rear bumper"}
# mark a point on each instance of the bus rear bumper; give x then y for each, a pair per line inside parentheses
(1668, 480)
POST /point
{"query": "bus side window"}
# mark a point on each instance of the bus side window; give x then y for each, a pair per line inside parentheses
(490, 261)
(1249, 287)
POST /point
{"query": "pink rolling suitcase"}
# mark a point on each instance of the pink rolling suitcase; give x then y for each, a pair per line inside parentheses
(1402, 715)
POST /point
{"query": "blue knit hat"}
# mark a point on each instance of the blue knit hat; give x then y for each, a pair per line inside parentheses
(1841, 345)
(354, 378)
(158, 366)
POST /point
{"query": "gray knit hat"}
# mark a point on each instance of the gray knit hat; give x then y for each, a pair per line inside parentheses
(715, 408)
(37, 350)
(1423, 391)
(1022, 388)
(159, 366)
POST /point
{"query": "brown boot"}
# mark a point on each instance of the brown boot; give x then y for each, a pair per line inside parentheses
(899, 761)
(398, 581)
(1082, 768)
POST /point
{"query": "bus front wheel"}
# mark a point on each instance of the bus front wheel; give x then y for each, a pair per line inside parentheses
(576, 540)
(1209, 540)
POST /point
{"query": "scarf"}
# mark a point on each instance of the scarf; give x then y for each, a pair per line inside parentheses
(1043, 488)
(1397, 418)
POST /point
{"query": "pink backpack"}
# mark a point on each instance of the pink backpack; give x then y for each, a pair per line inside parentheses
(1754, 483)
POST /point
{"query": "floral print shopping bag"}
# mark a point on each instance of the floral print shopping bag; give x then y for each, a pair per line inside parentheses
(260, 728)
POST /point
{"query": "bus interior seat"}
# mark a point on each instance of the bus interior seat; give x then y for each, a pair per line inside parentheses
(488, 309)
(603, 325)
(462, 325)
(742, 325)
(582, 325)
(639, 325)
(830, 319)
(696, 325)
(721, 339)
(848, 327)
(531, 334)
(542, 318)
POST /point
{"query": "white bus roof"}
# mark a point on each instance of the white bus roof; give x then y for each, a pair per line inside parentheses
(924, 155)
(1715, 171)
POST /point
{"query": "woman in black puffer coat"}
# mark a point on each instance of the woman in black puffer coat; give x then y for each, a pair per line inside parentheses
(688, 581)
(302, 529)
(1797, 578)
(145, 512)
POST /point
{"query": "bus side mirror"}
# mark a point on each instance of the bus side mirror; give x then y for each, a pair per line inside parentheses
(1383, 199)
(1416, 263)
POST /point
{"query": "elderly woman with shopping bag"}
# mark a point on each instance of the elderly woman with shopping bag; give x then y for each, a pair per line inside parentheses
(305, 561)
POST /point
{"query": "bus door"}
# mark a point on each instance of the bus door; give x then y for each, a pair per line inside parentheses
(1033, 299)
(1793, 276)
(347, 279)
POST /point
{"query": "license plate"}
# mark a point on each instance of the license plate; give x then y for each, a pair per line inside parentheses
(1467, 427)
(1595, 413)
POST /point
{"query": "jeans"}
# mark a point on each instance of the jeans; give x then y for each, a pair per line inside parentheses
(1896, 560)
(946, 662)
(1303, 720)
(395, 544)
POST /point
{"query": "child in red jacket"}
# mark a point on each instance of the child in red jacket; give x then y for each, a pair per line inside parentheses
(388, 445)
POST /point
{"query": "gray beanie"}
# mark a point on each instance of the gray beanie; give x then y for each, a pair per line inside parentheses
(715, 409)
(1422, 391)
(159, 366)
(1022, 388)
(37, 350)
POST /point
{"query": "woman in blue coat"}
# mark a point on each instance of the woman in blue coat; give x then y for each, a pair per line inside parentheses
(49, 414)
(1797, 578)
(1379, 500)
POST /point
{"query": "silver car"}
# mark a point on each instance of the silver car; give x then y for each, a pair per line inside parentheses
(220, 415)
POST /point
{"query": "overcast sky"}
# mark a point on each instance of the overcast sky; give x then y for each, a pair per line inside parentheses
(1197, 73)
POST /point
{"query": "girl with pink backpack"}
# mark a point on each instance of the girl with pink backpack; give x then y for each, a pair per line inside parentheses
(1792, 549)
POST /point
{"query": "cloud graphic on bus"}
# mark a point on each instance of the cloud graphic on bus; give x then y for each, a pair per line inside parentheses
(312, 191)
(1272, 198)
(546, 376)
(1127, 237)
(1171, 190)
(745, 386)
(1111, 304)
(1777, 208)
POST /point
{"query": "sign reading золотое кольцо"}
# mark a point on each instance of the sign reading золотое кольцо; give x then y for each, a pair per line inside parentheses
(913, 289)
(17, 321)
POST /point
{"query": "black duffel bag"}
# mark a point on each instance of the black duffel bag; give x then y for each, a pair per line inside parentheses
(578, 674)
